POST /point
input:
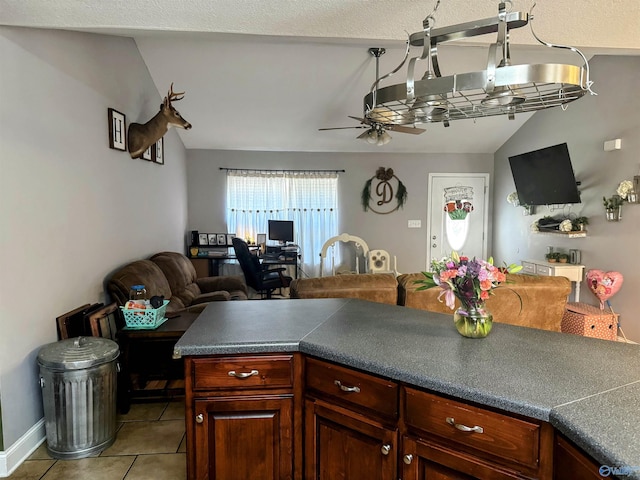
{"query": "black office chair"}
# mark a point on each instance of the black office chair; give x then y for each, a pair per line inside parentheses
(259, 277)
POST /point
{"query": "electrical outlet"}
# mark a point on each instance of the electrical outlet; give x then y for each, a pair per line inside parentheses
(415, 224)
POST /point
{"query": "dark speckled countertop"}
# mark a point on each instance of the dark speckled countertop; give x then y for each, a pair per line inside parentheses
(589, 389)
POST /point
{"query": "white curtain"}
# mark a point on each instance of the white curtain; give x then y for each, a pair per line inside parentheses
(309, 198)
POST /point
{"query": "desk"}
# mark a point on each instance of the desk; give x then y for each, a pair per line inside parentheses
(213, 263)
(147, 369)
(572, 272)
(288, 260)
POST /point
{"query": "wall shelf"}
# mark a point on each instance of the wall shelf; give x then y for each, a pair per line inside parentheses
(575, 234)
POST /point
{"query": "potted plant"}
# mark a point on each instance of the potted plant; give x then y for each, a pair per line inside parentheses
(579, 223)
(552, 257)
(613, 207)
(563, 257)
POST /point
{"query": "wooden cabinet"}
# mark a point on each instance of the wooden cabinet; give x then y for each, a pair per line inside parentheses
(242, 415)
(570, 462)
(454, 439)
(573, 272)
(285, 417)
(350, 424)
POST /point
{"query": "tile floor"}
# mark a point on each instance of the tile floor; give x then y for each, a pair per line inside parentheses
(150, 445)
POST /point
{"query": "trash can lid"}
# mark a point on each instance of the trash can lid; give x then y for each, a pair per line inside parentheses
(78, 353)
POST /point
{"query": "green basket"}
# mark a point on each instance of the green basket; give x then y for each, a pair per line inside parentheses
(147, 319)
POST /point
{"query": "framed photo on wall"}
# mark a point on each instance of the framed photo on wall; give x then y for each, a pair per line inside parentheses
(158, 151)
(203, 239)
(148, 154)
(213, 239)
(117, 130)
(222, 239)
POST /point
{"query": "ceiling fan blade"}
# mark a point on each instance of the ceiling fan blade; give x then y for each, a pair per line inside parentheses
(342, 128)
(363, 135)
(401, 129)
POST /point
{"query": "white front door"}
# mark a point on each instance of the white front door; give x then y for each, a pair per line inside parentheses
(457, 215)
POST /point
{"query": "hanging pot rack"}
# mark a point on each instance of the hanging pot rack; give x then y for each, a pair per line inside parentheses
(501, 89)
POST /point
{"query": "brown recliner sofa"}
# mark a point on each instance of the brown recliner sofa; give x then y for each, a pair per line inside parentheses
(173, 276)
(524, 300)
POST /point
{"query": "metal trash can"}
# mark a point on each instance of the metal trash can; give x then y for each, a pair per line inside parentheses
(78, 378)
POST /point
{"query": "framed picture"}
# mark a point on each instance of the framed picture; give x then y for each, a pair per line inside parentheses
(117, 130)
(261, 238)
(222, 239)
(203, 239)
(230, 237)
(158, 151)
(148, 154)
(213, 238)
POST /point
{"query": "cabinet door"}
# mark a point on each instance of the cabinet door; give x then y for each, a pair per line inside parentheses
(240, 438)
(423, 460)
(570, 462)
(343, 445)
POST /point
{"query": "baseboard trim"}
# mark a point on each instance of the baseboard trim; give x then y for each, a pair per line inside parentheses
(17, 453)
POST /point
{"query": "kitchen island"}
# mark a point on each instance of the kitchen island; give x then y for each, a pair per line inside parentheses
(587, 389)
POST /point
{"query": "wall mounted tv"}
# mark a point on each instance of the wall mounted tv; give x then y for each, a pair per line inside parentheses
(281, 230)
(545, 176)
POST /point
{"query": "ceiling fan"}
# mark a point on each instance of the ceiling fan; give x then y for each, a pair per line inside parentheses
(377, 130)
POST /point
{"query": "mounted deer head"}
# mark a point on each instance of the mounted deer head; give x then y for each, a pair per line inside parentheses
(142, 137)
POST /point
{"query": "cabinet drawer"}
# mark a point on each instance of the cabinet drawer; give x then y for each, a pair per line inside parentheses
(496, 434)
(528, 268)
(352, 388)
(274, 371)
(543, 270)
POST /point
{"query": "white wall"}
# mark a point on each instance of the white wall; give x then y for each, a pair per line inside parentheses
(585, 125)
(71, 209)
(389, 232)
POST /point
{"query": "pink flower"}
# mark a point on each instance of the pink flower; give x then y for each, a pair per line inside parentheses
(485, 285)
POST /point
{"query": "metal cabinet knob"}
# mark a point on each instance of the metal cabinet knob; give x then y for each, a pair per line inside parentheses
(408, 458)
(199, 418)
(385, 449)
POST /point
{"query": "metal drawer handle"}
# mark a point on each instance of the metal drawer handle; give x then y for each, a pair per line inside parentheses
(344, 388)
(252, 373)
(464, 428)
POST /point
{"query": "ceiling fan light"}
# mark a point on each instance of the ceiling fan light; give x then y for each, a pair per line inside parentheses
(384, 138)
(372, 137)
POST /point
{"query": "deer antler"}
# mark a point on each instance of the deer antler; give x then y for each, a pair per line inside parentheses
(173, 97)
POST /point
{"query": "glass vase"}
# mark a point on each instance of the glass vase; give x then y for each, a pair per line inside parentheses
(473, 322)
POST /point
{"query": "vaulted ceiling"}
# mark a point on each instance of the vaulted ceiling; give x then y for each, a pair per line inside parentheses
(267, 74)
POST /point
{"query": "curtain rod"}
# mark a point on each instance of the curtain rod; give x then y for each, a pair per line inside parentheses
(278, 170)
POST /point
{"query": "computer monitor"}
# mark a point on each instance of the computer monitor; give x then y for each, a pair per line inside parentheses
(281, 230)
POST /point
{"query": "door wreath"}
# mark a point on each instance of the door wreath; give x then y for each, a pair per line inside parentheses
(384, 191)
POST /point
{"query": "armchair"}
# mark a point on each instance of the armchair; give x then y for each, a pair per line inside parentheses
(259, 277)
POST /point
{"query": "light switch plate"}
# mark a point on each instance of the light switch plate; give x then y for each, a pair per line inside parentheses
(415, 223)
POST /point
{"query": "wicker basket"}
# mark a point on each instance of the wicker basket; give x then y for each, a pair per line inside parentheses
(147, 319)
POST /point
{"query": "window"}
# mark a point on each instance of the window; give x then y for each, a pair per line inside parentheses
(309, 198)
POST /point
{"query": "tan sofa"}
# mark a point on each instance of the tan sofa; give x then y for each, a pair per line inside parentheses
(381, 288)
(173, 276)
(525, 300)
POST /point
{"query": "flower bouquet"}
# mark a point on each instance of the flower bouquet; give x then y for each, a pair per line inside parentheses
(471, 282)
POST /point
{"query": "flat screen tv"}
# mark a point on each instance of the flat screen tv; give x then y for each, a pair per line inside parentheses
(545, 176)
(281, 230)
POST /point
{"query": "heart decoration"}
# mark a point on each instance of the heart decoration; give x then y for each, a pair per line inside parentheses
(604, 285)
